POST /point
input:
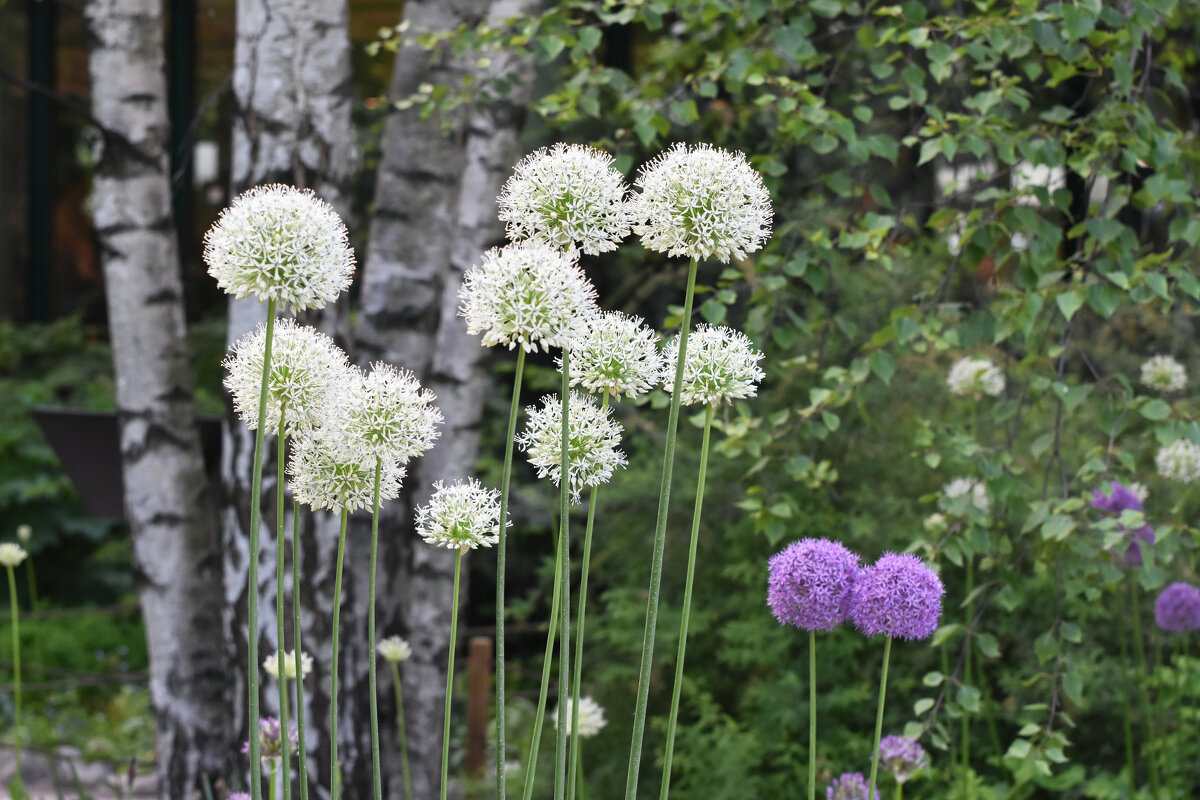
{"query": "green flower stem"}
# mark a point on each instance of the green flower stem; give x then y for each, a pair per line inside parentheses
(375, 772)
(275, 771)
(887, 653)
(660, 540)
(673, 719)
(1127, 697)
(408, 795)
(39, 658)
(302, 747)
(16, 646)
(1147, 710)
(966, 673)
(334, 782)
(539, 716)
(899, 790)
(450, 673)
(812, 715)
(579, 774)
(505, 477)
(280, 624)
(564, 606)
(573, 766)
(252, 577)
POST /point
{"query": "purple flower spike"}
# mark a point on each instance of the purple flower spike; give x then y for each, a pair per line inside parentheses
(1121, 499)
(1177, 608)
(809, 584)
(849, 786)
(902, 757)
(898, 596)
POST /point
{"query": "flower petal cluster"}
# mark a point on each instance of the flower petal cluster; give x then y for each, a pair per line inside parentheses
(902, 756)
(280, 242)
(12, 554)
(591, 717)
(965, 487)
(24, 533)
(1177, 608)
(1123, 499)
(593, 437)
(849, 786)
(461, 515)
(527, 294)
(975, 377)
(326, 471)
(271, 740)
(809, 584)
(1179, 461)
(567, 196)
(1164, 374)
(271, 665)
(306, 369)
(388, 413)
(616, 352)
(701, 202)
(897, 596)
(721, 365)
(394, 649)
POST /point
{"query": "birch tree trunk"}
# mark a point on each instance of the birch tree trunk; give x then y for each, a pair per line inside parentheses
(172, 519)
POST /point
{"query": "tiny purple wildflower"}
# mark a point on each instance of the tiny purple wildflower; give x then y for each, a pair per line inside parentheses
(848, 786)
(1120, 500)
(897, 596)
(902, 756)
(239, 796)
(809, 583)
(1177, 608)
(269, 739)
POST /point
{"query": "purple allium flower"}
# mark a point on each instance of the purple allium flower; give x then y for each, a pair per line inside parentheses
(239, 796)
(1121, 499)
(270, 745)
(1177, 608)
(902, 757)
(849, 786)
(809, 583)
(897, 596)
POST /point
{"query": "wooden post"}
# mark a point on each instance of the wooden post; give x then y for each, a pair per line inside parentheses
(479, 702)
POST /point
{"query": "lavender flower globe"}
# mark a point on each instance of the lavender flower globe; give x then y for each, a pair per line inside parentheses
(1123, 498)
(848, 786)
(1177, 608)
(902, 756)
(898, 596)
(809, 584)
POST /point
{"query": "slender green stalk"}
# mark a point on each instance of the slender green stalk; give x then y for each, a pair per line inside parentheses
(39, 658)
(564, 607)
(275, 771)
(408, 795)
(812, 715)
(899, 790)
(579, 775)
(539, 716)
(375, 771)
(1180, 734)
(1147, 710)
(16, 647)
(450, 673)
(887, 653)
(252, 577)
(505, 477)
(1127, 697)
(302, 745)
(966, 674)
(280, 625)
(660, 540)
(334, 781)
(673, 719)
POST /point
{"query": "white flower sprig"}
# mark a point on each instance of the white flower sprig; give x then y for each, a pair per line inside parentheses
(271, 664)
(975, 377)
(1179, 461)
(591, 717)
(960, 487)
(327, 472)
(616, 353)
(721, 365)
(461, 515)
(388, 413)
(1164, 374)
(12, 554)
(394, 649)
(593, 437)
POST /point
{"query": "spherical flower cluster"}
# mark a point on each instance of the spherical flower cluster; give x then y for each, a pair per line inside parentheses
(1140, 491)
(461, 515)
(616, 352)
(1122, 499)
(1177, 608)
(897, 596)
(528, 294)
(975, 377)
(280, 242)
(388, 414)
(591, 717)
(270, 739)
(721, 365)
(965, 487)
(327, 472)
(11, 554)
(809, 584)
(902, 756)
(849, 786)
(239, 796)
(1164, 374)
(394, 649)
(1179, 461)
(593, 436)
(271, 665)
(699, 202)
(24, 533)
(937, 524)
(567, 196)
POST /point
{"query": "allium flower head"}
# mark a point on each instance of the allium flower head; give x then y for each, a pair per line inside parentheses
(965, 487)
(975, 377)
(271, 664)
(902, 756)
(306, 367)
(11, 554)
(24, 533)
(1179, 461)
(270, 740)
(721, 365)
(1164, 374)
(280, 242)
(809, 583)
(388, 413)
(593, 436)
(897, 596)
(591, 717)
(849, 786)
(239, 796)
(1120, 499)
(937, 524)
(528, 294)
(327, 472)
(568, 196)
(461, 515)
(616, 352)
(701, 202)
(394, 649)
(1177, 608)
(1139, 491)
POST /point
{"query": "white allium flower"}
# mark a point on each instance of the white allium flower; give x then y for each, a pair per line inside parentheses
(328, 472)
(271, 664)
(937, 524)
(11, 554)
(966, 486)
(1140, 491)
(528, 294)
(975, 377)
(699, 202)
(592, 439)
(306, 368)
(1179, 461)
(721, 365)
(1164, 374)
(24, 533)
(388, 413)
(461, 515)
(280, 242)
(394, 649)
(568, 196)
(591, 717)
(616, 352)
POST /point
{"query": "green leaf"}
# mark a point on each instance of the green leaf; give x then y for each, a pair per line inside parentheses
(1069, 302)
(883, 365)
(987, 645)
(1156, 409)
(968, 698)
(922, 706)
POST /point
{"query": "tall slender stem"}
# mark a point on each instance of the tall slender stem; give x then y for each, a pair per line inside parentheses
(302, 745)
(450, 673)
(564, 606)
(252, 577)
(1139, 649)
(677, 691)
(334, 779)
(966, 673)
(280, 626)
(275, 774)
(660, 540)
(1130, 765)
(812, 715)
(887, 652)
(408, 795)
(16, 647)
(539, 717)
(505, 477)
(375, 771)
(38, 656)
